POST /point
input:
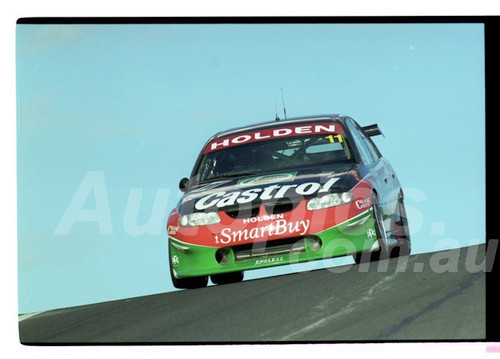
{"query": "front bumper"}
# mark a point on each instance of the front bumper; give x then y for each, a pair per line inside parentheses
(352, 236)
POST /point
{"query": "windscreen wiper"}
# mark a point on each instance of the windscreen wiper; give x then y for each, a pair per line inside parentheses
(230, 175)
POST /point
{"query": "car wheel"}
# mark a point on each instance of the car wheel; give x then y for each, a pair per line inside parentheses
(402, 232)
(226, 278)
(188, 283)
(383, 252)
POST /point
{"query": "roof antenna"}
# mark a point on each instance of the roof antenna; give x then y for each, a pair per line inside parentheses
(276, 109)
(283, 100)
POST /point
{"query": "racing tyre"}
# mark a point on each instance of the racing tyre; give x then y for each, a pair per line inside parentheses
(403, 248)
(188, 283)
(383, 252)
(227, 278)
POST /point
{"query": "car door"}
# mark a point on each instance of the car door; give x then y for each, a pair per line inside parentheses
(386, 172)
(378, 172)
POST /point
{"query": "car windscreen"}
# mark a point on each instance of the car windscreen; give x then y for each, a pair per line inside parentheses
(274, 155)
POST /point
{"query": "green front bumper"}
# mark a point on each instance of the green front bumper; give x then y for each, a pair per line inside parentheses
(353, 236)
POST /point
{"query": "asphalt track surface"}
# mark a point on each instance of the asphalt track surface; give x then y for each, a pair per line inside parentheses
(434, 296)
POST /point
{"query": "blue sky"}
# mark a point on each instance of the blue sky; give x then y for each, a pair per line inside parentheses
(114, 115)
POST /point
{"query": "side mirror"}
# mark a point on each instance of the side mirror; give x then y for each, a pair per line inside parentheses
(372, 130)
(183, 184)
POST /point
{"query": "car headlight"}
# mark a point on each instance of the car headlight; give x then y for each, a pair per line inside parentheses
(329, 200)
(199, 219)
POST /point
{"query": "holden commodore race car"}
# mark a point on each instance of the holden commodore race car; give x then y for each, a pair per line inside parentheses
(284, 192)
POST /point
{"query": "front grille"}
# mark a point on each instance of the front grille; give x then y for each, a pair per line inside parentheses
(263, 249)
(282, 205)
(240, 212)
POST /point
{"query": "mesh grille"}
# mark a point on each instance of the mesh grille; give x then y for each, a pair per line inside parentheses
(264, 249)
(281, 206)
(240, 212)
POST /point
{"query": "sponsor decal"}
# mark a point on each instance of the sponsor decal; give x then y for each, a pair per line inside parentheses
(172, 230)
(276, 228)
(371, 233)
(175, 260)
(255, 181)
(363, 203)
(263, 218)
(269, 260)
(275, 191)
(272, 133)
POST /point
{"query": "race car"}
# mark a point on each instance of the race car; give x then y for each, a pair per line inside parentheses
(285, 192)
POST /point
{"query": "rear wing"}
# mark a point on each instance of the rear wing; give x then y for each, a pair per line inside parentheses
(372, 130)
